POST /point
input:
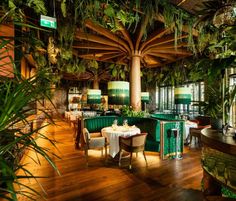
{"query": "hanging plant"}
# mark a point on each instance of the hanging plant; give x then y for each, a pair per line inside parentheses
(119, 72)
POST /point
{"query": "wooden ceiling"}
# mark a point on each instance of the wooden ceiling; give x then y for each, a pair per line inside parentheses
(158, 49)
(190, 6)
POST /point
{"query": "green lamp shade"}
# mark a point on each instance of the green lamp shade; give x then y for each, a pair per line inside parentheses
(145, 97)
(118, 93)
(94, 96)
(182, 95)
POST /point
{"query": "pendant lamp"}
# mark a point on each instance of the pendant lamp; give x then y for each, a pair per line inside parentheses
(182, 95)
(118, 93)
(145, 97)
(94, 96)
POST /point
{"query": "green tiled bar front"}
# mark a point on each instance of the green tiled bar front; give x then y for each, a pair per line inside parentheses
(221, 166)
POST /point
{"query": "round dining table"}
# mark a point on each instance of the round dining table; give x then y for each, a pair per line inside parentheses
(112, 134)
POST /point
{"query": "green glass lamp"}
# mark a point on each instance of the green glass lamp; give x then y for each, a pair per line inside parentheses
(118, 93)
(182, 95)
(94, 96)
(145, 97)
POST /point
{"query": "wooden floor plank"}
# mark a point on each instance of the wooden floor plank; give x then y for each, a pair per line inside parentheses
(167, 180)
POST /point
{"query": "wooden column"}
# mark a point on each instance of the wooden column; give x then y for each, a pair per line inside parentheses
(135, 83)
(96, 82)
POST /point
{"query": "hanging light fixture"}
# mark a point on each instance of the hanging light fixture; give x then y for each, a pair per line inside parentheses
(182, 95)
(145, 97)
(225, 16)
(94, 96)
(118, 93)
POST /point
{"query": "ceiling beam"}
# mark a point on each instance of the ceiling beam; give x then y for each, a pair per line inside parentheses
(94, 53)
(148, 59)
(165, 56)
(108, 34)
(110, 56)
(141, 30)
(185, 28)
(164, 40)
(154, 36)
(126, 35)
(94, 46)
(168, 62)
(173, 51)
(98, 39)
(169, 45)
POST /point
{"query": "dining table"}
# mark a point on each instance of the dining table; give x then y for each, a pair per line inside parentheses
(188, 125)
(112, 133)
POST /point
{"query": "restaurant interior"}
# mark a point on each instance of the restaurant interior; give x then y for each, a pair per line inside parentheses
(118, 100)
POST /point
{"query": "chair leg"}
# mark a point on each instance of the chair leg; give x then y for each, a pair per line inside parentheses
(120, 156)
(190, 142)
(199, 141)
(136, 154)
(145, 158)
(86, 155)
(105, 153)
(130, 160)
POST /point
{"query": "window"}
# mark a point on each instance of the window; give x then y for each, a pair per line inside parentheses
(165, 98)
(232, 116)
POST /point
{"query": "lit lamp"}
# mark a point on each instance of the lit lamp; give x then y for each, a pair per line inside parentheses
(183, 96)
(118, 93)
(94, 96)
(145, 99)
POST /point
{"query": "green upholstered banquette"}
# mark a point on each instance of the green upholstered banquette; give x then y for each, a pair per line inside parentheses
(160, 138)
(149, 125)
(163, 116)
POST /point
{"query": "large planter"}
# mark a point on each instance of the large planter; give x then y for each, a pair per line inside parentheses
(216, 123)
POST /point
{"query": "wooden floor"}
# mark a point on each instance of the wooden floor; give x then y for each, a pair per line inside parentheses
(167, 180)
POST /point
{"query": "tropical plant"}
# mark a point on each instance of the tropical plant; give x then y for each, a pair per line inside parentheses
(119, 72)
(18, 97)
(229, 99)
(127, 111)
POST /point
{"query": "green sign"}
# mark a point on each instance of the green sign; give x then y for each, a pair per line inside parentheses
(49, 22)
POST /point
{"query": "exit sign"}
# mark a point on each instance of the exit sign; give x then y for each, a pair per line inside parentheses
(49, 22)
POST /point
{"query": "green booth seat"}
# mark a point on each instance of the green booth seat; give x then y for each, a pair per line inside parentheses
(162, 116)
(157, 139)
(172, 143)
(149, 125)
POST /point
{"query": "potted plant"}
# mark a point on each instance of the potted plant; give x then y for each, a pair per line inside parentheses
(17, 96)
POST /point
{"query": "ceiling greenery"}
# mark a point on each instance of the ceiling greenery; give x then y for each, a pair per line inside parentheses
(141, 19)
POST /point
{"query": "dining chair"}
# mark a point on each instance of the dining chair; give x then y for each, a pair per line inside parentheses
(196, 132)
(132, 144)
(98, 142)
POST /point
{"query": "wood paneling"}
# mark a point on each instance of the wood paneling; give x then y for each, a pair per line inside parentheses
(178, 180)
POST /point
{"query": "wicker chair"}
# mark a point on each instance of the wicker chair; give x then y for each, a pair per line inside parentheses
(135, 143)
(98, 142)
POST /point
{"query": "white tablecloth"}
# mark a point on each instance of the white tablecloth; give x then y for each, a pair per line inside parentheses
(188, 125)
(113, 136)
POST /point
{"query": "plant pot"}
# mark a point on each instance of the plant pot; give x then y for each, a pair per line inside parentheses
(216, 123)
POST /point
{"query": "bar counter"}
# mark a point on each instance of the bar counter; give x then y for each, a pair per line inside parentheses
(218, 163)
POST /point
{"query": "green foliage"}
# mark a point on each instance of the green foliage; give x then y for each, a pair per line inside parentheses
(127, 111)
(229, 99)
(18, 97)
(213, 105)
(15, 97)
(63, 8)
(38, 6)
(119, 72)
